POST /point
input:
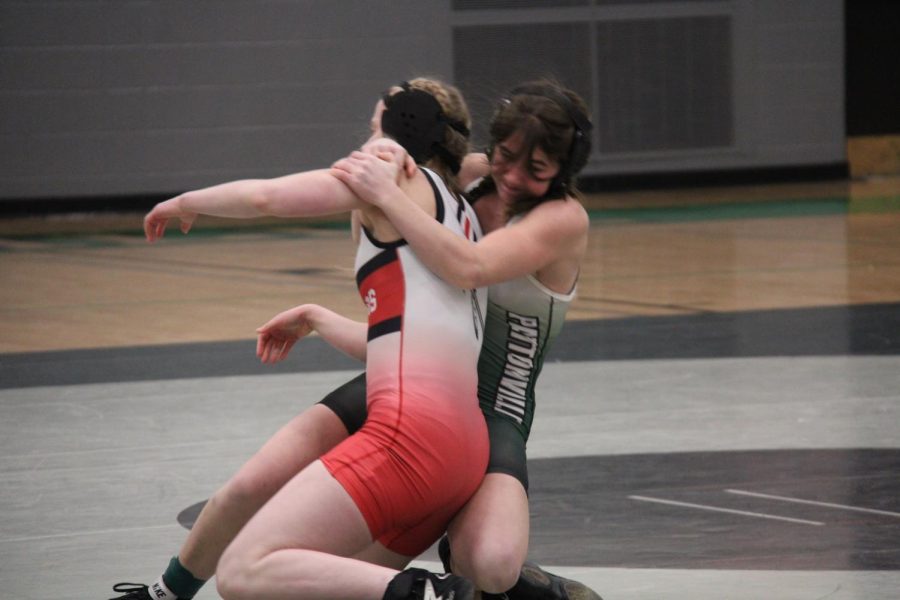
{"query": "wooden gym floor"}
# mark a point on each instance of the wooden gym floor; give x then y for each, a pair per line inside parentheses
(719, 419)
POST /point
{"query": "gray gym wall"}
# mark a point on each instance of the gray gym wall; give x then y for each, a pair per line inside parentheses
(113, 98)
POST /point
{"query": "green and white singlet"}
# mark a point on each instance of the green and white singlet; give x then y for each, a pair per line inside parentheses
(523, 318)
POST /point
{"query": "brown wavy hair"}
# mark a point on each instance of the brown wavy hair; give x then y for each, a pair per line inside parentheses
(542, 120)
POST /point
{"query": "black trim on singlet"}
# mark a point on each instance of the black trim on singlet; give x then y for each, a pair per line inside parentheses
(460, 213)
(384, 245)
(392, 325)
(438, 197)
(376, 262)
(439, 216)
(379, 261)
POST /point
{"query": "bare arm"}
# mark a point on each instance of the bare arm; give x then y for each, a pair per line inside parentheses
(278, 336)
(550, 232)
(308, 194)
(473, 167)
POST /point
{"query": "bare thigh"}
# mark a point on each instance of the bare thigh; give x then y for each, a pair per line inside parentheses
(313, 512)
(300, 544)
(293, 447)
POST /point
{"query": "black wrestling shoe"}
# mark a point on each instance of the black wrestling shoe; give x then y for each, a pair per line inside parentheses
(444, 553)
(419, 584)
(537, 584)
(534, 583)
(132, 591)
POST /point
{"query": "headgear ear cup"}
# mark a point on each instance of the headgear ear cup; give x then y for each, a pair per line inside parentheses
(415, 119)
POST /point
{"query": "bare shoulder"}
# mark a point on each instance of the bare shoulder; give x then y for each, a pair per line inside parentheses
(419, 190)
(474, 166)
(416, 190)
(566, 215)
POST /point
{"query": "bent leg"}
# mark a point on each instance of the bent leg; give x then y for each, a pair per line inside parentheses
(306, 437)
(295, 547)
(489, 543)
(489, 536)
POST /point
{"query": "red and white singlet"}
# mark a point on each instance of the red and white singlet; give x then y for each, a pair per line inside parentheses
(423, 449)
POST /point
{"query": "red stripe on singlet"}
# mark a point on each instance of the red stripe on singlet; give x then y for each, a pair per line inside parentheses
(383, 290)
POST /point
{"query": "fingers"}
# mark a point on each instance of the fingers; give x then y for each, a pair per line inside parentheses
(357, 161)
(286, 348)
(266, 347)
(362, 158)
(342, 163)
(274, 350)
(346, 166)
(154, 228)
(272, 344)
(260, 343)
(347, 170)
(367, 175)
(387, 157)
(383, 146)
(264, 341)
(341, 175)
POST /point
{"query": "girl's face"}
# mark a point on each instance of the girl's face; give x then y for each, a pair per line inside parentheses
(375, 121)
(525, 177)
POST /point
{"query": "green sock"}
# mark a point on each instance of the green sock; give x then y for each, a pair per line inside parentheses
(181, 581)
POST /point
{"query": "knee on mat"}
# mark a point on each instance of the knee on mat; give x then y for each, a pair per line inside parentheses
(495, 569)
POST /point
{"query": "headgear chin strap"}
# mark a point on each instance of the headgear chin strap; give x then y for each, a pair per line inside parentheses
(414, 119)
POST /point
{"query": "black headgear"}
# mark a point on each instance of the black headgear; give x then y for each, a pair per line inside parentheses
(580, 148)
(414, 118)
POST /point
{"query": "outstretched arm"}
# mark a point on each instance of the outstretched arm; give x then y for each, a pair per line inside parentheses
(550, 232)
(308, 194)
(278, 336)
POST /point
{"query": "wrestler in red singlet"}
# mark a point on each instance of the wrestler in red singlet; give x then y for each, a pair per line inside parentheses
(423, 449)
